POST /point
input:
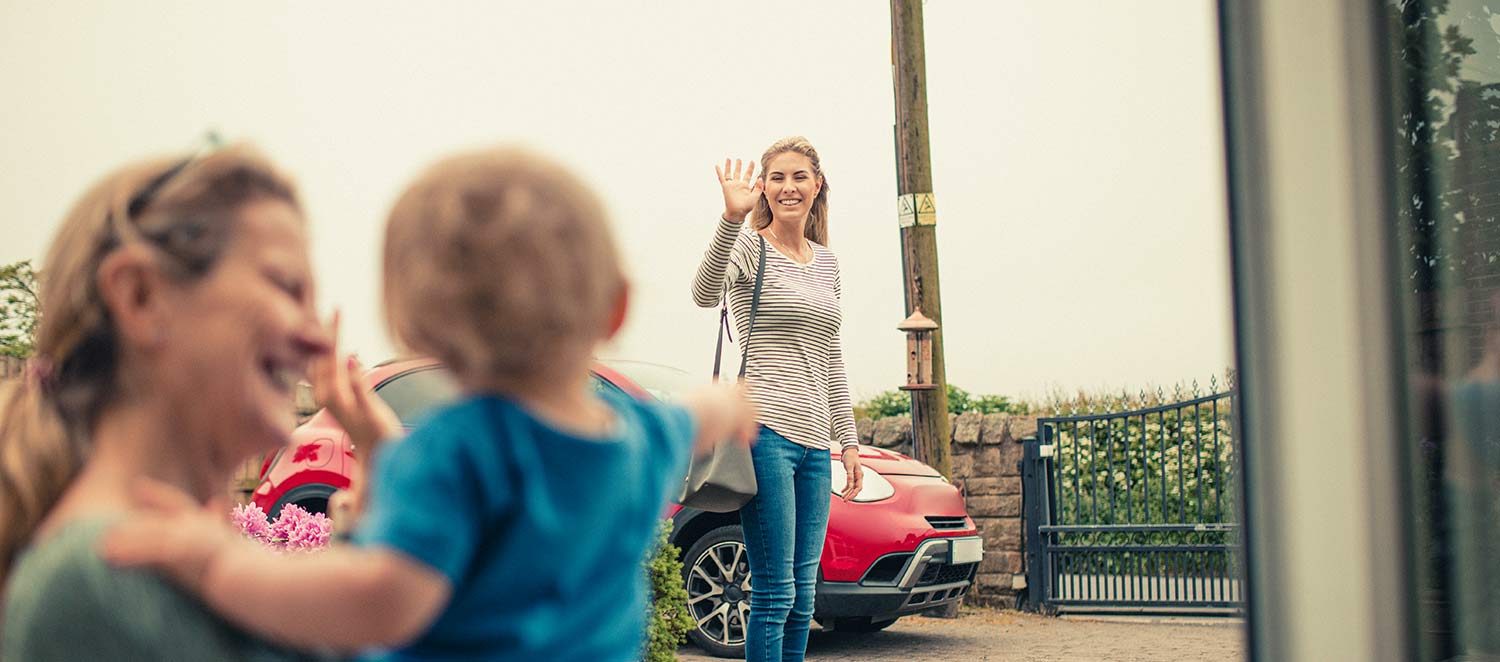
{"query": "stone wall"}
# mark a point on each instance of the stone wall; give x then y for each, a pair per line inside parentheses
(987, 453)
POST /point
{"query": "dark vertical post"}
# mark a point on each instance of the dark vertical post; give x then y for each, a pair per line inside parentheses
(1130, 472)
(1093, 472)
(1109, 459)
(1077, 477)
(918, 219)
(1219, 479)
(1032, 489)
(1198, 454)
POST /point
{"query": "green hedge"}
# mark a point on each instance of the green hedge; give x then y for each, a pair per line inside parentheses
(897, 402)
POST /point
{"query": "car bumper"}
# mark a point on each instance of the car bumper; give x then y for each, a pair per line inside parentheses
(928, 579)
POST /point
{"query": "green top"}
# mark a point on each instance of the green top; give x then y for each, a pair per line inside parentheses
(64, 603)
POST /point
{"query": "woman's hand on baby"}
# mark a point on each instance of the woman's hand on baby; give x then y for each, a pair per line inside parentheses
(168, 531)
(345, 507)
(741, 189)
(338, 384)
(723, 414)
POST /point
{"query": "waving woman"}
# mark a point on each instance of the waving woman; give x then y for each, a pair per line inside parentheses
(795, 376)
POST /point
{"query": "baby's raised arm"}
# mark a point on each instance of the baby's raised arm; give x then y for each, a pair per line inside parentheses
(723, 414)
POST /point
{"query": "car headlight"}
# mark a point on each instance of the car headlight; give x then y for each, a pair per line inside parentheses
(875, 487)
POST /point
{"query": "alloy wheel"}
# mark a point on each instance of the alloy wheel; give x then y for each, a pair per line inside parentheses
(718, 589)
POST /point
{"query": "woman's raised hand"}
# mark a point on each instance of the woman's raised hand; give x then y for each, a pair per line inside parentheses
(741, 189)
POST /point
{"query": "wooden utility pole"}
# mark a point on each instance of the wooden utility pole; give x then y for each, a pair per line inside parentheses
(918, 219)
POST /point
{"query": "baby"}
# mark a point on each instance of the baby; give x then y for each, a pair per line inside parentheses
(511, 524)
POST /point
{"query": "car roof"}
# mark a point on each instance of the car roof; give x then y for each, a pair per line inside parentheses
(390, 368)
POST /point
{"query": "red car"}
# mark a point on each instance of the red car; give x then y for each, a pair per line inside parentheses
(318, 461)
(905, 545)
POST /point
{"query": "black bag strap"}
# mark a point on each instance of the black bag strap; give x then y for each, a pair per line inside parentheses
(760, 276)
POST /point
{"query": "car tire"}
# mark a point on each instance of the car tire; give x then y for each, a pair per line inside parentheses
(716, 574)
(312, 498)
(862, 624)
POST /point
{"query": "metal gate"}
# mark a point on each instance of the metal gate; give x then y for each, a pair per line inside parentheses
(1135, 511)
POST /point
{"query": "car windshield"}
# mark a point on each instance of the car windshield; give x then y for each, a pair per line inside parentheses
(662, 382)
(413, 394)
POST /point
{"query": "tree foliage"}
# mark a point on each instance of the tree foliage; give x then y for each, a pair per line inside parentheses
(18, 309)
(1429, 59)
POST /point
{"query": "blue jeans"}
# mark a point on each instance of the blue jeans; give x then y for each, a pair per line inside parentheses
(784, 527)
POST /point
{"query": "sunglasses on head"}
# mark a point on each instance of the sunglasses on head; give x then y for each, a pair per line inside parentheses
(208, 144)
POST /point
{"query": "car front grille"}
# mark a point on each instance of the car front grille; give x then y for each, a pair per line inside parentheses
(946, 523)
(944, 573)
(934, 598)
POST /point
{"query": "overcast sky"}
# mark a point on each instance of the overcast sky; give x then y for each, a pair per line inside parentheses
(1077, 150)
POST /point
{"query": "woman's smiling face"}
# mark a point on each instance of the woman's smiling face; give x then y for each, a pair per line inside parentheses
(791, 185)
(237, 340)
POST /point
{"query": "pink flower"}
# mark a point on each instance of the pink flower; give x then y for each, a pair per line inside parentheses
(296, 529)
(251, 521)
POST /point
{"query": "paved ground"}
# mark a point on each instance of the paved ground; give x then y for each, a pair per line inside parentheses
(984, 635)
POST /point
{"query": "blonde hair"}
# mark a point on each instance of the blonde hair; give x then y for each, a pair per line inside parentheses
(500, 264)
(816, 229)
(185, 210)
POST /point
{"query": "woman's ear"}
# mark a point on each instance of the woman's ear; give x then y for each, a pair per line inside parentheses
(131, 285)
(618, 313)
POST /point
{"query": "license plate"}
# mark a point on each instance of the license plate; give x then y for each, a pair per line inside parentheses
(965, 550)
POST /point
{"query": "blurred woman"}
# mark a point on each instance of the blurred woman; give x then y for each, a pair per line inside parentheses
(176, 316)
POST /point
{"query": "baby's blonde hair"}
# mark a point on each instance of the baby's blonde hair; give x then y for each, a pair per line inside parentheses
(500, 264)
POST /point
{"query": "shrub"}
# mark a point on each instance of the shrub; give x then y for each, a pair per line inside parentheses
(960, 401)
(897, 402)
(667, 617)
(1061, 402)
(889, 403)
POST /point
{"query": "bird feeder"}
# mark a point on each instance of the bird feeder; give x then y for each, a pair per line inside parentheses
(918, 330)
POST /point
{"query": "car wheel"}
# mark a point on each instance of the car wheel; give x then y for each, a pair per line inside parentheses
(865, 624)
(312, 498)
(717, 576)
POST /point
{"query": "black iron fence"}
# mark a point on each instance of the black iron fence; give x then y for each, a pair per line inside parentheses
(1134, 510)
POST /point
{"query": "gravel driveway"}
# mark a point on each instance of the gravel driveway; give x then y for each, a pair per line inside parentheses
(1009, 635)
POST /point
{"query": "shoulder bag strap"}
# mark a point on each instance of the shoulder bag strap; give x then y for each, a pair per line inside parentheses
(760, 274)
(760, 277)
(723, 330)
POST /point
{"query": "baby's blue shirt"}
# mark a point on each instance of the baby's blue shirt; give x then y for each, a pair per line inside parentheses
(541, 533)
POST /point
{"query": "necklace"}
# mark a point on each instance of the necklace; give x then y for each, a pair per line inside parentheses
(786, 248)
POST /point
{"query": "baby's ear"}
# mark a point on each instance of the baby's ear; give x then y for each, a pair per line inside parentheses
(621, 307)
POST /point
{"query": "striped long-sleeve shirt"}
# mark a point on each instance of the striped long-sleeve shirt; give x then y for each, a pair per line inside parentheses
(795, 369)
